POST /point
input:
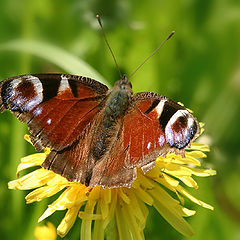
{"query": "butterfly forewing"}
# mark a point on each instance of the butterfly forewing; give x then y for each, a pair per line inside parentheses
(57, 107)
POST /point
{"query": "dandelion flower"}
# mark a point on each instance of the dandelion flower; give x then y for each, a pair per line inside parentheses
(46, 232)
(127, 207)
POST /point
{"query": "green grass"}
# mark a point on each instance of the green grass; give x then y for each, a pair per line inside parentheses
(199, 66)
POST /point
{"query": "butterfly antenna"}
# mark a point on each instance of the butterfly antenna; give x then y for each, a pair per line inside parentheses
(105, 38)
(140, 65)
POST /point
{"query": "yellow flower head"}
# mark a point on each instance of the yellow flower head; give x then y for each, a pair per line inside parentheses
(125, 206)
(45, 232)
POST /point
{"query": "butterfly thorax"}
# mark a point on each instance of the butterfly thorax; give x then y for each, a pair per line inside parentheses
(118, 99)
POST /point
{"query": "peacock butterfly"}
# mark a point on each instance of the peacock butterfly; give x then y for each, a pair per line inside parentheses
(97, 136)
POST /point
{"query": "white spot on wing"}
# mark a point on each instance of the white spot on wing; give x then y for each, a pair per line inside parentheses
(149, 145)
(49, 121)
(64, 84)
(159, 107)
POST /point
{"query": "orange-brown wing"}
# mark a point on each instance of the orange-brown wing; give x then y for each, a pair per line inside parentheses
(153, 126)
(56, 107)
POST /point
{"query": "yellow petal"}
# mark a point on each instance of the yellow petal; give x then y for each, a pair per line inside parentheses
(177, 170)
(36, 157)
(112, 207)
(104, 208)
(189, 181)
(170, 210)
(171, 181)
(144, 196)
(71, 197)
(174, 219)
(95, 193)
(186, 160)
(136, 209)
(200, 147)
(161, 195)
(203, 172)
(87, 223)
(32, 180)
(68, 221)
(31, 161)
(187, 212)
(193, 199)
(178, 159)
(123, 195)
(49, 211)
(144, 181)
(58, 180)
(181, 199)
(89, 216)
(144, 210)
(106, 195)
(122, 224)
(98, 230)
(27, 138)
(23, 166)
(135, 229)
(43, 192)
(196, 154)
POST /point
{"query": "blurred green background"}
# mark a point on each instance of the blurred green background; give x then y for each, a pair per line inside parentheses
(199, 66)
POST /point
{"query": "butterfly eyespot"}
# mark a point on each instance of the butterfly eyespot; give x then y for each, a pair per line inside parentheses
(180, 129)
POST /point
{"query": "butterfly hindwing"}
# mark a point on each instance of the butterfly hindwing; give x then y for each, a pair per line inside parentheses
(56, 107)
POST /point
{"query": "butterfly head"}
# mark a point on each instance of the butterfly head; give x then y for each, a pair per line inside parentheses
(123, 85)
